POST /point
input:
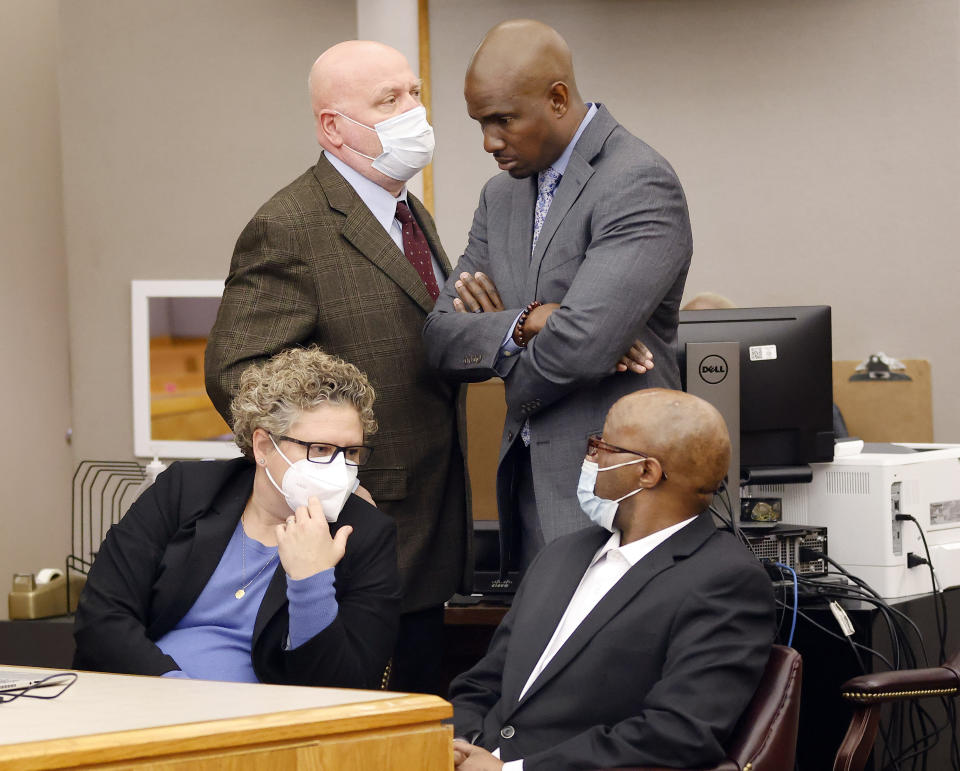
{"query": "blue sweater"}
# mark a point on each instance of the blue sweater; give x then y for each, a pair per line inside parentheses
(213, 640)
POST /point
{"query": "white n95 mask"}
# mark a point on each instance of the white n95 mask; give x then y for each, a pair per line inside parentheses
(331, 483)
(600, 510)
(407, 141)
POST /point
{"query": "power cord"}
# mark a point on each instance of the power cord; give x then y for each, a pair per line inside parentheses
(908, 731)
(50, 681)
(938, 609)
(796, 604)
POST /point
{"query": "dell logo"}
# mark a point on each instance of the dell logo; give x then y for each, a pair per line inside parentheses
(713, 369)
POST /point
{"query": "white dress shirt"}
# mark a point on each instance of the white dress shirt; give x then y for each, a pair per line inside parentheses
(608, 566)
(383, 206)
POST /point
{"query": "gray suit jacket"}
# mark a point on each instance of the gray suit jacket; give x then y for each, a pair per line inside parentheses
(657, 674)
(614, 250)
(315, 266)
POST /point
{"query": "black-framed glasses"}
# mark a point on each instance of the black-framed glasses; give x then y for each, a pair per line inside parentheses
(321, 452)
(595, 444)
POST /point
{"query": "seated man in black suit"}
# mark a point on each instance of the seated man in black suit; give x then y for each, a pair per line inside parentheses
(637, 648)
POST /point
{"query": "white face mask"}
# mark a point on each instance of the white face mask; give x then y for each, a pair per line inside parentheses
(330, 482)
(600, 510)
(407, 141)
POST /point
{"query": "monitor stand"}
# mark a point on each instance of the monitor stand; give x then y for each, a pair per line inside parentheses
(713, 374)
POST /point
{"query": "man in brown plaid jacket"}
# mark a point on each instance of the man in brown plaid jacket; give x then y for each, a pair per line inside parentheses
(323, 261)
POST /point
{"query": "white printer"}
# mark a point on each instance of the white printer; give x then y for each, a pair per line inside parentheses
(858, 497)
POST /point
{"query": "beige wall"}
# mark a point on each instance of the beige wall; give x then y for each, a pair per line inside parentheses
(179, 118)
(818, 143)
(35, 388)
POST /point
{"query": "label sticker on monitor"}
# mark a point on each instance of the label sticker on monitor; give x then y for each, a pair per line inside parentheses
(763, 352)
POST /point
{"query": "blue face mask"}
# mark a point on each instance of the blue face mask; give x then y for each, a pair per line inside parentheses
(600, 510)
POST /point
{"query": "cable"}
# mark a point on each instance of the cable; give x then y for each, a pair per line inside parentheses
(882, 607)
(793, 624)
(917, 718)
(46, 682)
(924, 731)
(846, 593)
(822, 628)
(908, 731)
(942, 605)
(938, 609)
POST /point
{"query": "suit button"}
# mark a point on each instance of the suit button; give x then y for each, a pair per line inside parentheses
(507, 732)
(509, 436)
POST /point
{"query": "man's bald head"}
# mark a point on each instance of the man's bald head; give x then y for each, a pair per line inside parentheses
(369, 82)
(347, 69)
(686, 434)
(521, 88)
(528, 54)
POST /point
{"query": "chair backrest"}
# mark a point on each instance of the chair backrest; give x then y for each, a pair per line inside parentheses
(765, 737)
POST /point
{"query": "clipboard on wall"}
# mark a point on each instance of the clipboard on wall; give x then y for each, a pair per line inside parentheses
(886, 410)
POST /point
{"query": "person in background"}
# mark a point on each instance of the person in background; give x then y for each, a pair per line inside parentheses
(265, 568)
(638, 641)
(707, 301)
(577, 251)
(346, 258)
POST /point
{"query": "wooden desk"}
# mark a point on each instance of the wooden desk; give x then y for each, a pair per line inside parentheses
(467, 632)
(164, 724)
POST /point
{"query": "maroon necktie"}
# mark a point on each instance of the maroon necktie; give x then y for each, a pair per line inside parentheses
(416, 249)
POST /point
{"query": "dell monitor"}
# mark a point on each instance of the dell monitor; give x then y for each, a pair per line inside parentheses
(786, 381)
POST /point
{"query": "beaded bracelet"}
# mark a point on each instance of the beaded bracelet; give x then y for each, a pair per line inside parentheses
(521, 320)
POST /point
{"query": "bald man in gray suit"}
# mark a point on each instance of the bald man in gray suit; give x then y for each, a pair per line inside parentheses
(575, 253)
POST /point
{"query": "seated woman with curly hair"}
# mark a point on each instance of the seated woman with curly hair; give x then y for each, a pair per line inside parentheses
(263, 568)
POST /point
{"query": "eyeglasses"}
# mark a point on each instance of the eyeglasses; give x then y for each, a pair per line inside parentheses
(320, 452)
(595, 444)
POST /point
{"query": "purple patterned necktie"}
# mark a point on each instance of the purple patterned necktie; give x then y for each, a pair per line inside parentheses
(547, 182)
(416, 249)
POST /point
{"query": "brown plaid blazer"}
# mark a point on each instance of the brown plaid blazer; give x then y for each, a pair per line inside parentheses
(314, 266)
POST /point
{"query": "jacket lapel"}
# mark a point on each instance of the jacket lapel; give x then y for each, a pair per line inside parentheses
(273, 600)
(662, 558)
(575, 177)
(213, 529)
(362, 230)
(520, 236)
(545, 603)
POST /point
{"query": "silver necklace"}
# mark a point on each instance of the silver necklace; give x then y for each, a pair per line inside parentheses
(243, 564)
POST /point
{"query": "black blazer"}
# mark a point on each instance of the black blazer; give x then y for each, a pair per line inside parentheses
(154, 563)
(657, 674)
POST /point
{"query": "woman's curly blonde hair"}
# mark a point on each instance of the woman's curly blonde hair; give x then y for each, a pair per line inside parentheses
(273, 394)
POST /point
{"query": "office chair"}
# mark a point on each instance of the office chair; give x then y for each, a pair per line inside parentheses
(765, 737)
(868, 693)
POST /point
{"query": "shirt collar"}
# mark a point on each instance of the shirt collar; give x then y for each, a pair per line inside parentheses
(381, 204)
(634, 551)
(560, 165)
